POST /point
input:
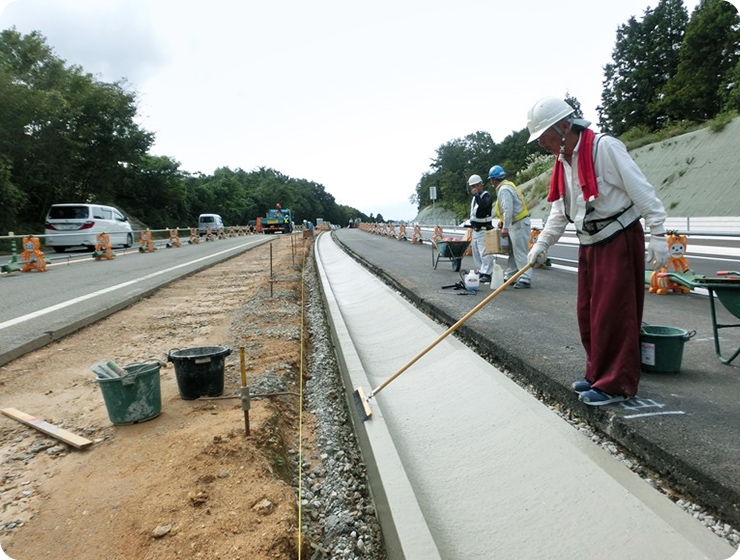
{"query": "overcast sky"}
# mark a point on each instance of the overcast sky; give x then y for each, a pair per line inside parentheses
(354, 96)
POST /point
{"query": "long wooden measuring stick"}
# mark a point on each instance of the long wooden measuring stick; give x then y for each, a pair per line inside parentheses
(49, 429)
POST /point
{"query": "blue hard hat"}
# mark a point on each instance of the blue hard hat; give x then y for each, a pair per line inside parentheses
(496, 172)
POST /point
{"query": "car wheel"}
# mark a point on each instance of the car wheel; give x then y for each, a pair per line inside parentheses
(59, 249)
(129, 240)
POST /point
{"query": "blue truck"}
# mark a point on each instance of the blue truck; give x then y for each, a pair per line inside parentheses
(278, 220)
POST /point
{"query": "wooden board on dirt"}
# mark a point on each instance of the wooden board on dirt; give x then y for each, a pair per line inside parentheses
(49, 429)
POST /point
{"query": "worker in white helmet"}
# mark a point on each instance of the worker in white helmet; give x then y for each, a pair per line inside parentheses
(480, 220)
(599, 188)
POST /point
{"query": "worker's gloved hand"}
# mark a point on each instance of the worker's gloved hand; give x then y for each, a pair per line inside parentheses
(538, 254)
(657, 252)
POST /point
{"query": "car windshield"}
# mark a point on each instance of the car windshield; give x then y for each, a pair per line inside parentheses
(68, 213)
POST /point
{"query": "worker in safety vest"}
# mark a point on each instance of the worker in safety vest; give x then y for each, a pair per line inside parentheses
(514, 223)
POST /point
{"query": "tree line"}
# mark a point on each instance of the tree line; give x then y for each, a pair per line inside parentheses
(668, 73)
(67, 137)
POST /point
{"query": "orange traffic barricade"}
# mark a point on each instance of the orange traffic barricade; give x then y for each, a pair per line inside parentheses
(174, 238)
(146, 245)
(416, 237)
(402, 233)
(32, 256)
(660, 281)
(102, 247)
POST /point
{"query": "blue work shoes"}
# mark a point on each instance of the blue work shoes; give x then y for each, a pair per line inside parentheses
(594, 397)
(581, 386)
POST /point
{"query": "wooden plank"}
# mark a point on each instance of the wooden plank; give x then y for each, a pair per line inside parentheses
(49, 429)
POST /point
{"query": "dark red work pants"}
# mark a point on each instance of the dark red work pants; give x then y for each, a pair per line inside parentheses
(611, 293)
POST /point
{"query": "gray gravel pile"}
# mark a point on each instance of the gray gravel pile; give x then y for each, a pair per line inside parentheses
(338, 516)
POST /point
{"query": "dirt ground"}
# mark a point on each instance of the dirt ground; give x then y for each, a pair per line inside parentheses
(188, 483)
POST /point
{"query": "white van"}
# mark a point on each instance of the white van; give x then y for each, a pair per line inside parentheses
(212, 221)
(78, 225)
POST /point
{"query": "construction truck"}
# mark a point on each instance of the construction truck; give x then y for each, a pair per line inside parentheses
(277, 220)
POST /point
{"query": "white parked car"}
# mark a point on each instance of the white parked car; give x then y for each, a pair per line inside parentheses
(78, 225)
(209, 221)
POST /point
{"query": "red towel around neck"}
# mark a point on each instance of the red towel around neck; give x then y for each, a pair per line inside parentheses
(586, 173)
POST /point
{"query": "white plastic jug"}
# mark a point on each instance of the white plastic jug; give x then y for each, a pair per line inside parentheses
(472, 281)
(497, 278)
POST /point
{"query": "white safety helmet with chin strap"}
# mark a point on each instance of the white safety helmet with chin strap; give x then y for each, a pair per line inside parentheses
(547, 112)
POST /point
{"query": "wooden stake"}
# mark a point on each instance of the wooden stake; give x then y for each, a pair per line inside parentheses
(245, 390)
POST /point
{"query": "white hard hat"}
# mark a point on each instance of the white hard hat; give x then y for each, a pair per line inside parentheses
(545, 113)
(474, 180)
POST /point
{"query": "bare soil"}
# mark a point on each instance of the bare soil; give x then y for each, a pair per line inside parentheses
(189, 483)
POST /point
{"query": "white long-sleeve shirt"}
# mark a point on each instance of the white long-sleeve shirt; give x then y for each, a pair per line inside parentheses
(620, 182)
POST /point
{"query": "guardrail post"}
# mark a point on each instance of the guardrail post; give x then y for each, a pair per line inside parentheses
(12, 265)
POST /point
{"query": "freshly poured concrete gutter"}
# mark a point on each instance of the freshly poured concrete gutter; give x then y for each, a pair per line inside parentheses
(465, 464)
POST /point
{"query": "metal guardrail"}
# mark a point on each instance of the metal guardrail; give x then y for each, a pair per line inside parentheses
(160, 238)
(719, 226)
(717, 241)
(136, 233)
(705, 226)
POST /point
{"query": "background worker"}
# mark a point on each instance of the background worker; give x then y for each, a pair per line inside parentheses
(597, 186)
(480, 220)
(515, 224)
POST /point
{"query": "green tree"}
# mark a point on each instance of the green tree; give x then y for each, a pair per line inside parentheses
(643, 60)
(708, 57)
(12, 198)
(476, 153)
(730, 94)
(66, 137)
(154, 191)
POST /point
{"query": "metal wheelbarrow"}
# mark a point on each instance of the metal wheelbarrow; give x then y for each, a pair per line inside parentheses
(726, 286)
(454, 251)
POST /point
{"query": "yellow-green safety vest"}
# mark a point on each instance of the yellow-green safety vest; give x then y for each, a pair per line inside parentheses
(521, 215)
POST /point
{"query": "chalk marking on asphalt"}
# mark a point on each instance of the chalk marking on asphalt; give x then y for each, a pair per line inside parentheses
(644, 414)
(57, 307)
(638, 403)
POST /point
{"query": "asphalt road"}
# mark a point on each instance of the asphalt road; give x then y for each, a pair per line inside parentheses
(39, 307)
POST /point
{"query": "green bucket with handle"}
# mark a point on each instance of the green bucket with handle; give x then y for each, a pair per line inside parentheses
(661, 348)
(134, 397)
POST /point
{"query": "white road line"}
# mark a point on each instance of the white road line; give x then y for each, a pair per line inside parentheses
(74, 301)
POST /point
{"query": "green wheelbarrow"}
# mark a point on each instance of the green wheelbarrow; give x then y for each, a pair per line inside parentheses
(726, 286)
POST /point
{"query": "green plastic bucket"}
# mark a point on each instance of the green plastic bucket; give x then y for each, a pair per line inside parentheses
(199, 371)
(135, 397)
(662, 348)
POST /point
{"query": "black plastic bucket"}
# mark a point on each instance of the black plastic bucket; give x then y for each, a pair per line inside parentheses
(199, 371)
(662, 348)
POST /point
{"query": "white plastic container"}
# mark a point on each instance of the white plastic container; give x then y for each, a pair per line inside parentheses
(497, 278)
(472, 281)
